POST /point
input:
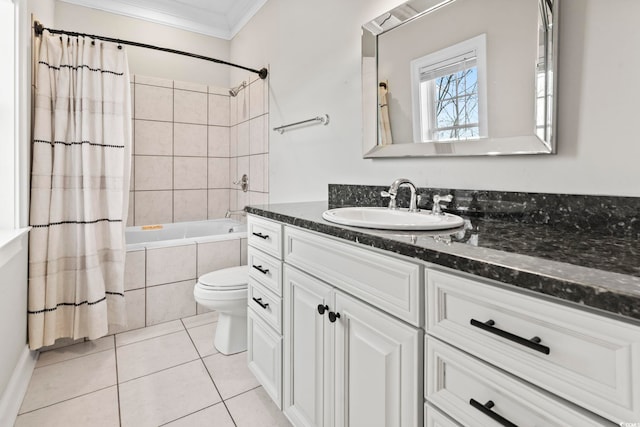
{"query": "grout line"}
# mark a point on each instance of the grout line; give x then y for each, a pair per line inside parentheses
(115, 351)
(244, 392)
(192, 413)
(72, 358)
(161, 370)
(66, 400)
(218, 391)
(150, 338)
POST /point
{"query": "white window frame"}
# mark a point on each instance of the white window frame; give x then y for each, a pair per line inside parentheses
(475, 46)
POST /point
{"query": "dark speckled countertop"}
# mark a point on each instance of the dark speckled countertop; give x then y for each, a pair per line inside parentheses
(590, 267)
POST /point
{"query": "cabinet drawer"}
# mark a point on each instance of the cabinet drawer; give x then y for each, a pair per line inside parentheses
(265, 235)
(265, 269)
(264, 353)
(267, 305)
(383, 281)
(462, 387)
(592, 360)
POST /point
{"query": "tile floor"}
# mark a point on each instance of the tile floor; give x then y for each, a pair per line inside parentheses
(163, 375)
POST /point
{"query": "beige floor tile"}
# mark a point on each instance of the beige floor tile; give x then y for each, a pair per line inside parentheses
(230, 373)
(200, 319)
(71, 378)
(216, 415)
(148, 332)
(166, 396)
(203, 337)
(74, 351)
(98, 409)
(155, 354)
(255, 408)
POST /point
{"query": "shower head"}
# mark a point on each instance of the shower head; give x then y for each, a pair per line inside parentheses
(235, 90)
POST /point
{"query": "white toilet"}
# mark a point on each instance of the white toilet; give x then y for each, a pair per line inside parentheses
(225, 291)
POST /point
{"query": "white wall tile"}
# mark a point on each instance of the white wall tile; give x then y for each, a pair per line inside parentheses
(190, 205)
(190, 107)
(135, 302)
(219, 90)
(190, 173)
(243, 105)
(256, 198)
(171, 301)
(217, 255)
(153, 207)
(153, 138)
(153, 173)
(258, 135)
(154, 103)
(218, 173)
(257, 167)
(218, 203)
(196, 87)
(153, 81)
(233, 111)
(172, 264)
(189, 140)
(233, 141)
(243, 139)
(134, 270)
(218, 110)
(218, 141)
(256, 98)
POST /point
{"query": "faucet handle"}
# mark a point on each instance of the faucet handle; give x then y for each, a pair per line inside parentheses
(392, 198)
(437, 209)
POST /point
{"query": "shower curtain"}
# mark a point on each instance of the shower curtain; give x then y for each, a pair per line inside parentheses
(79, 190)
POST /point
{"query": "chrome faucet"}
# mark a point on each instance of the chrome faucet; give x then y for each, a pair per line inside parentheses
(393, 192)
(437, 209)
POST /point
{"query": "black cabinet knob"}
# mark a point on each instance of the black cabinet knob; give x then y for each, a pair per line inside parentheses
(333, 316)
(322, 308)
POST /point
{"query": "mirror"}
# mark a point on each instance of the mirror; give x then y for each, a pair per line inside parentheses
(460, 78)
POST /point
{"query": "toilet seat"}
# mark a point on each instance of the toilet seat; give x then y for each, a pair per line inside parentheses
(228, 279)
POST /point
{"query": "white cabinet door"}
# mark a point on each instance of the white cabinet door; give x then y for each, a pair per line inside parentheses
(378, 369)
(264, 353)
(306, 365)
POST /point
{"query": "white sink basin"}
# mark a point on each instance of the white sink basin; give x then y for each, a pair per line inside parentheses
(388, 219)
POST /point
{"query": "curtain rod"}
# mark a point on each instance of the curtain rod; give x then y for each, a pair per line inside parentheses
(39, 29)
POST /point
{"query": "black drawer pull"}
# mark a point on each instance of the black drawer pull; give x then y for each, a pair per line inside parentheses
(486, 409)
(322, 308)
(260, 269)
(333, 316)
(533, 343)
(260, 303)
(260, 235)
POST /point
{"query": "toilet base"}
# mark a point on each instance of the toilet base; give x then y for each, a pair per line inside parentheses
(231, 333)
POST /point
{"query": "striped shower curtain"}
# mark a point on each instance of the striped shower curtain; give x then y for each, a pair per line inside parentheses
(79, 190)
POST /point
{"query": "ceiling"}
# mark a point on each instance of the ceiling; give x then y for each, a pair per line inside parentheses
(217, 18)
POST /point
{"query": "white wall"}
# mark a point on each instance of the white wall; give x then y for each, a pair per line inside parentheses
(313, 49)
(145, 61)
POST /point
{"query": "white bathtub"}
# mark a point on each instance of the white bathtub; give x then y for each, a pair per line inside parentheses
(163, 264)
(182, 233)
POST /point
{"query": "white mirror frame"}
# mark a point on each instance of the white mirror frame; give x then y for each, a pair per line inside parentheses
(517, 145)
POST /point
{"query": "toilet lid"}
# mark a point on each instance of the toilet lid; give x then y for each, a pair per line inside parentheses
(226, 279)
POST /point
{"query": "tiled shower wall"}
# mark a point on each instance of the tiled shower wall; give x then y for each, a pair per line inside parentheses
(191, 142)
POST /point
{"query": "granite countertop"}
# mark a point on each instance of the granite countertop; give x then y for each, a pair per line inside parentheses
(586, 267)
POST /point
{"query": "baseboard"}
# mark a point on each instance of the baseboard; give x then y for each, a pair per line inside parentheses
(17, 387)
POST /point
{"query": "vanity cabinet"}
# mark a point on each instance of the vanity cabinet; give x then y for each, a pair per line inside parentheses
(346, 362)
(591, 361)
(264, 314)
